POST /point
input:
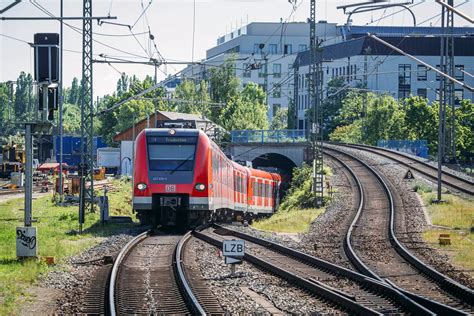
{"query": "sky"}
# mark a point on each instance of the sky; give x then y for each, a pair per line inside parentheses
(171, 23)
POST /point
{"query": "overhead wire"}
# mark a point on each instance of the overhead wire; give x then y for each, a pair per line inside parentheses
(78, 30)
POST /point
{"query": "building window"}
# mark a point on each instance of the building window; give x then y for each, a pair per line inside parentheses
(458, 96)
(403, 93)
(306, 80)
(459, 72)
(422, 73)
(300, 124)
(257, 49)
(276, 91)
(272, 49)
(404, 75)
(437, 74)
(276, 107)
(404, 81)
(422, 92)
(288, 49)
(277, 70)
(262, 71)
(246, 72)
(302, 47)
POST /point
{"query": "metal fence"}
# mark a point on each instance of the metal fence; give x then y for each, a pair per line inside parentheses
(413, 147)
(269, 136)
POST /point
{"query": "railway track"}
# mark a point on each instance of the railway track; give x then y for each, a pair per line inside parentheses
(449, 180)
(373, 248)
(349, 290)
(151, 276)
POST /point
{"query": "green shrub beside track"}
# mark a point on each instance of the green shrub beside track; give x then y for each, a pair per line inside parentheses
(296, 212)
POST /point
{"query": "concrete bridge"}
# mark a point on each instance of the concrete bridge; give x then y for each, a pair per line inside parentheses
(283, 149)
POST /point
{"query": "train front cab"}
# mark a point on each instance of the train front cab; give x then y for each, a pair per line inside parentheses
(171, 177)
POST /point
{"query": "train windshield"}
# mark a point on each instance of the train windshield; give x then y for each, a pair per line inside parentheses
(171, 153)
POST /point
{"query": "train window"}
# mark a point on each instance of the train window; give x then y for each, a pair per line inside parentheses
(171, 157)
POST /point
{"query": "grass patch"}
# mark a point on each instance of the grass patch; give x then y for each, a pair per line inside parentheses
(56, 227)
(295, 221)
(461, 250)
(457, 214)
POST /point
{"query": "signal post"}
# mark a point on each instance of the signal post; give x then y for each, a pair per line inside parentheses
(46, 75)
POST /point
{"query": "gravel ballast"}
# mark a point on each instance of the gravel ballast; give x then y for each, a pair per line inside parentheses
(284, 296)
(74, 276)
(410, 218)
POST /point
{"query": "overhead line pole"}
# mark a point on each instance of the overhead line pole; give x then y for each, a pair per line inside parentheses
(61, 103)
(316, 127)
(450, 7)
(441, 111)
(87, 113)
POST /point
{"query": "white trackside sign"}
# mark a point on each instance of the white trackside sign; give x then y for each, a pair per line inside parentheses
(233, 251)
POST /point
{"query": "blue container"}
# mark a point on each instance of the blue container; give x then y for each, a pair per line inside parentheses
(72, 149)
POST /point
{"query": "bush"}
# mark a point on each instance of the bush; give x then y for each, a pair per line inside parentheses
(300, 194)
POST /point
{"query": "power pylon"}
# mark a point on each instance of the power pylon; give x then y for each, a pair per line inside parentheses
(315, 94)
(87, 114)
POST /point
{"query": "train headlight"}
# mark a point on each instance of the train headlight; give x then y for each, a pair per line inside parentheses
(171, 132)
(200, 187)
(141, 186)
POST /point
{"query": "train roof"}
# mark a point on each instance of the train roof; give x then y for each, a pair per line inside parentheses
(166, 132)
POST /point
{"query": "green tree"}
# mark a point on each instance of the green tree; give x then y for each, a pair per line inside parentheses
(122, 84)
(224, 86)
(332, 104)
(247, 111)
(464, 131)
(24, 98)
(74, 93)
(385, 120)
(347, 133)
(292, 122)
(71, 119)
(280, 120)
(195, 98)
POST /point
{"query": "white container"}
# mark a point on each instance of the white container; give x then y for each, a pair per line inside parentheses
(108, 157)
(18, 179)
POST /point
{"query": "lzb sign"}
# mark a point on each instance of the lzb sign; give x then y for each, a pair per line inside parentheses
(233, 251)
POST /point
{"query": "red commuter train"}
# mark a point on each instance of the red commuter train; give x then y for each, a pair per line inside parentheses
(181, 177)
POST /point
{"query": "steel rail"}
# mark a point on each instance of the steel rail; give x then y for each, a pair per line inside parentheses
(449, 285)
(312, 286)
(375, 284)
(179, 265)
(378, 286)
(380, 151)
(118, 261)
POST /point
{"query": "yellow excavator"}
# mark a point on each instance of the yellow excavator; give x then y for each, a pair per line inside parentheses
(13, 159)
